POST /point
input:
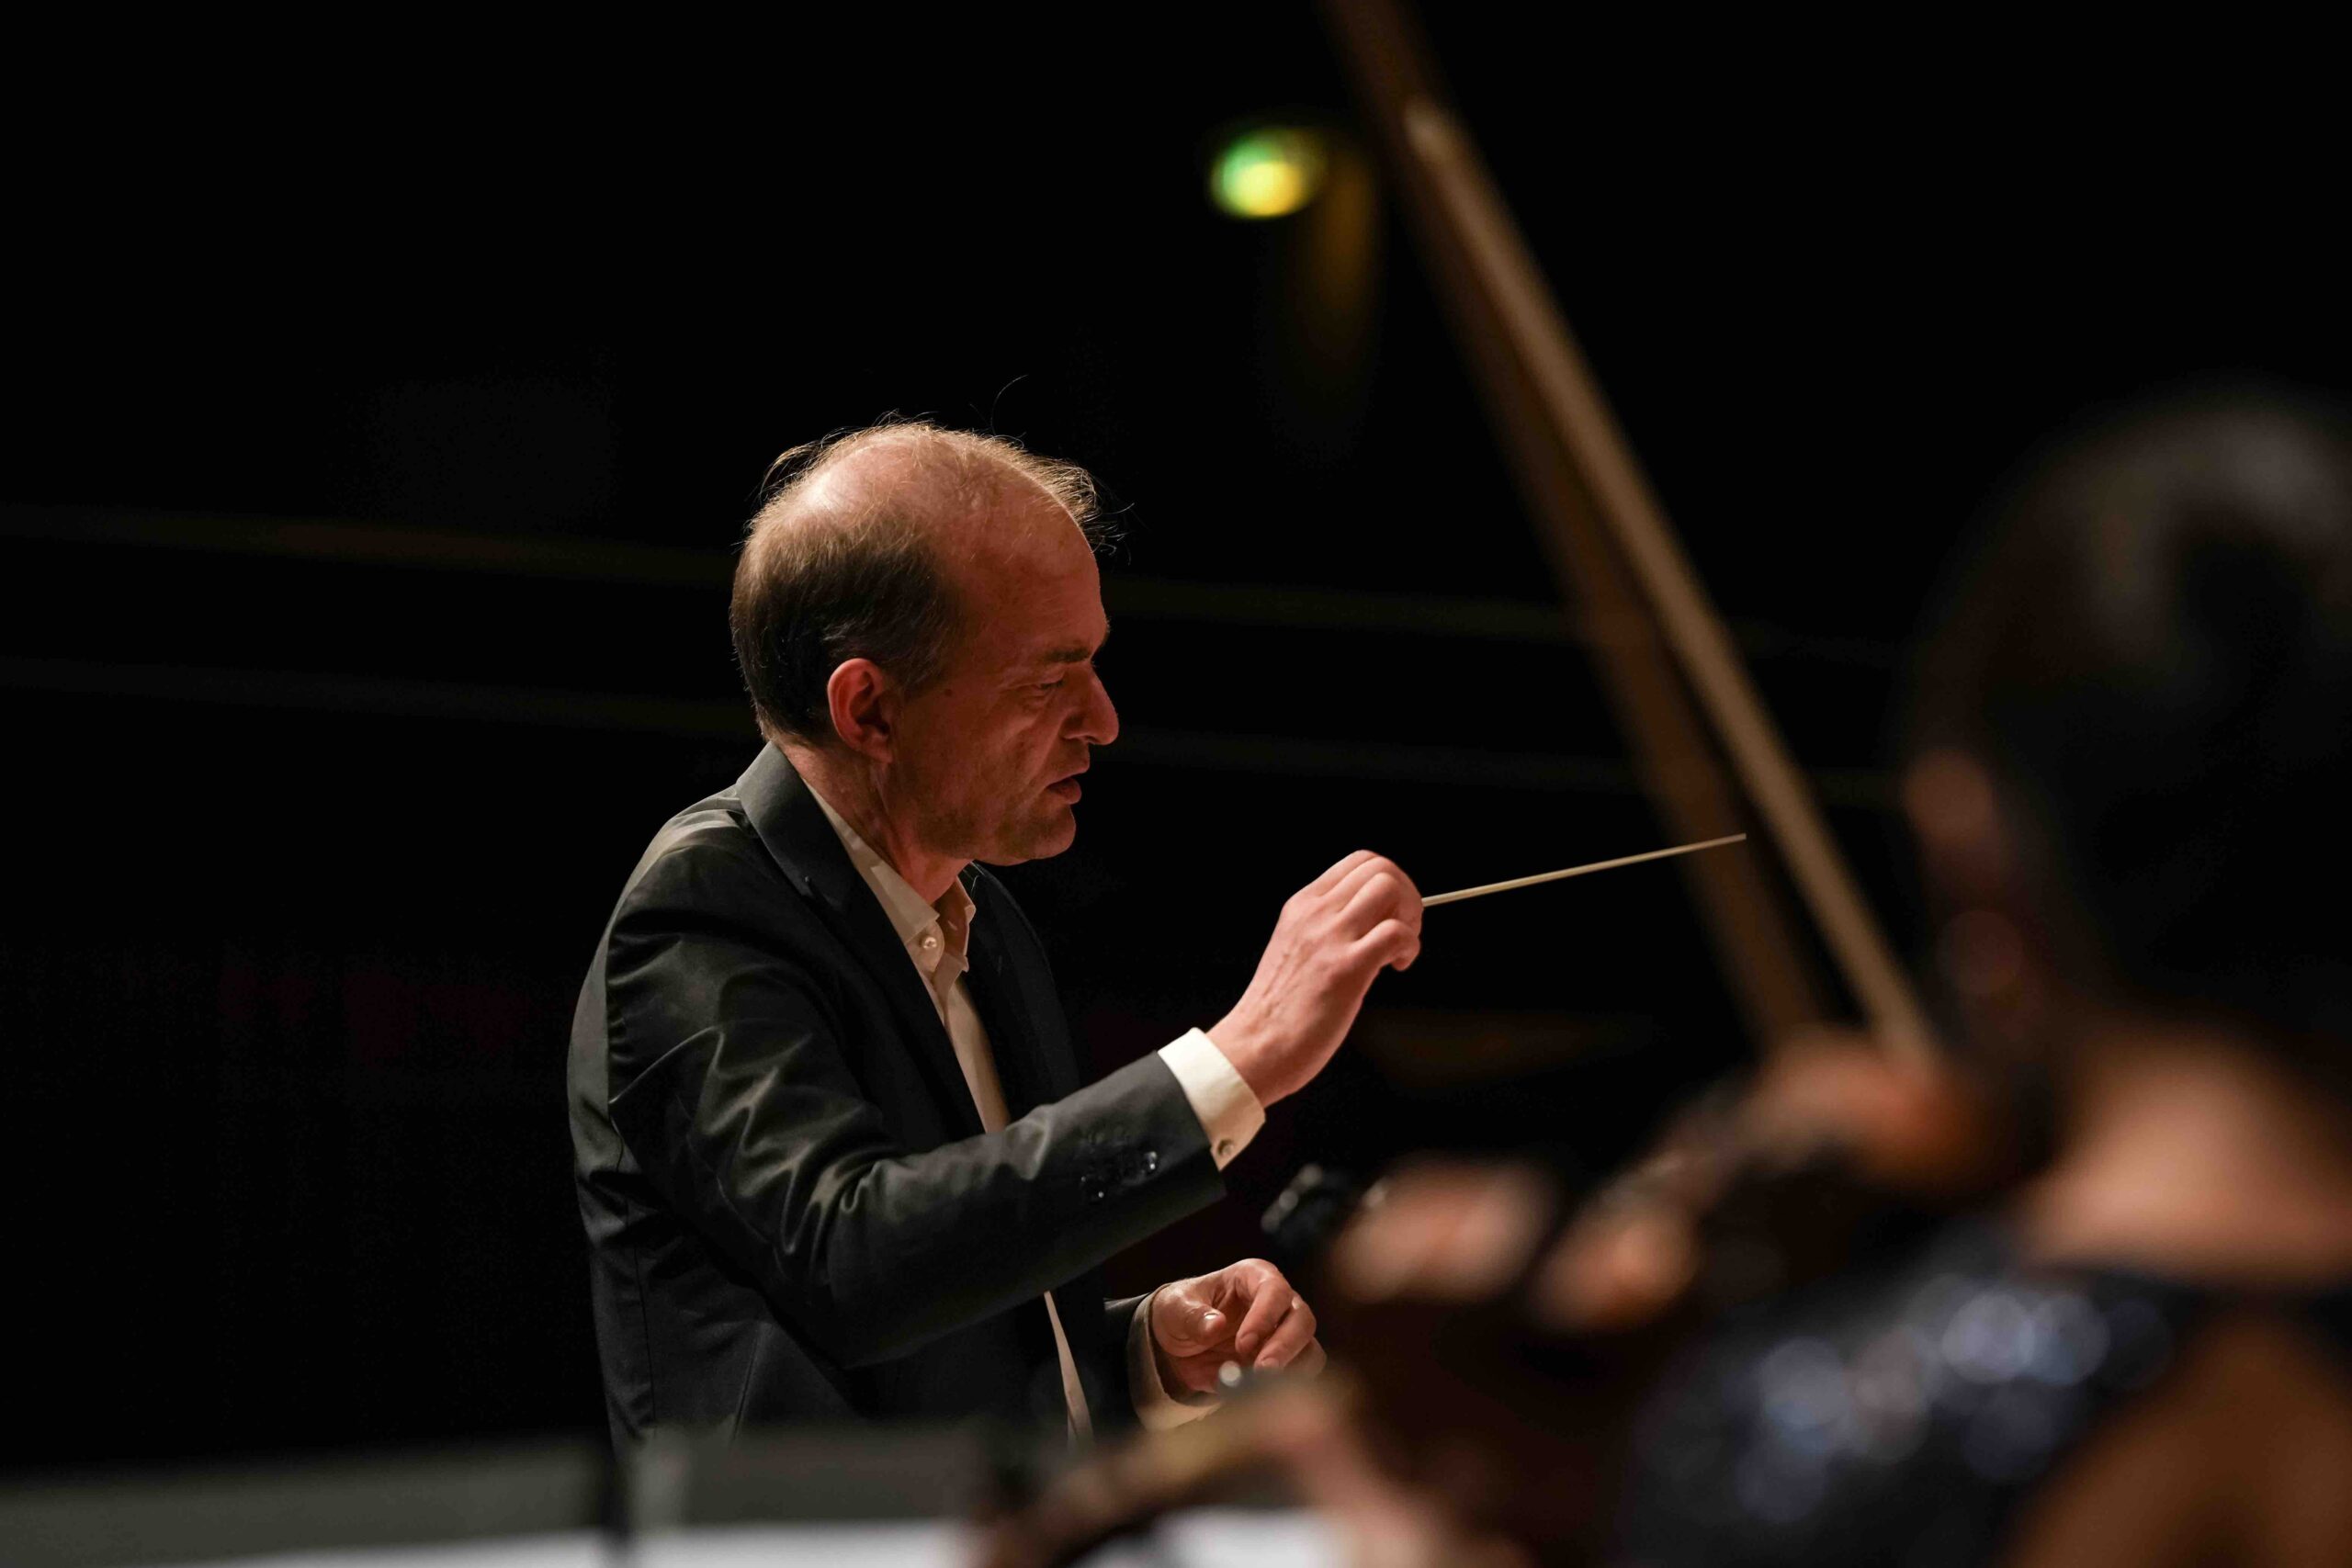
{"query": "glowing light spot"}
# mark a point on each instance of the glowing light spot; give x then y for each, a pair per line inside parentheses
(1269, 172)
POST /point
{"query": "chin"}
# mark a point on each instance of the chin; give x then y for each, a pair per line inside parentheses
(1036, 840)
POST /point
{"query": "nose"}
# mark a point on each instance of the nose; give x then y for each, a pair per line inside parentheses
(1098, 721)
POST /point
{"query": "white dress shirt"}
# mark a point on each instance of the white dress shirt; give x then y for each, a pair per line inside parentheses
(938, 939)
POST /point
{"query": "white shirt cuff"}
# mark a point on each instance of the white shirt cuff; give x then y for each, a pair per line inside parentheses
(1156, 1407)
(1229, 1113)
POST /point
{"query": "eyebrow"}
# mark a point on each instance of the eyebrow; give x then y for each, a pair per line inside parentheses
(1074, 654)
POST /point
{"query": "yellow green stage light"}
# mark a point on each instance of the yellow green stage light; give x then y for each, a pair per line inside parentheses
(1270, 172)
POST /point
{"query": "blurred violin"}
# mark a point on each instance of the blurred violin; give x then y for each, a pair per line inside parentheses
(1494, 1339)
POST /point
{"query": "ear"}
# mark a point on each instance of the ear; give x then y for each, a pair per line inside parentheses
(1992, 949)
(1955, 814)
(862, 702)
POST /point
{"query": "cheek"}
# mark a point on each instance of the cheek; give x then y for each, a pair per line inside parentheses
(1018, 743)
(1023, 750)
(944, 750)
(998, 748)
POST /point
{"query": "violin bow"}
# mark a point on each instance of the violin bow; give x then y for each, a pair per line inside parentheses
(1618, 557)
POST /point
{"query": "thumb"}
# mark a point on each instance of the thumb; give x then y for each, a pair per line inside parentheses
(1183, 1321)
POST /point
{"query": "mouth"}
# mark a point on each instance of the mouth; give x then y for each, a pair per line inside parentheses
(1066, 790)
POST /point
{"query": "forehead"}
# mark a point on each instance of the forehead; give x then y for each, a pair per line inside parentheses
(1029, 582)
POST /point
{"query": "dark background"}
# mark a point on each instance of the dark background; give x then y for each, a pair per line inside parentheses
(384, 402)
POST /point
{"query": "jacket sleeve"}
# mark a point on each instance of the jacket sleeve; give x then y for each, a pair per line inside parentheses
(729, 1084)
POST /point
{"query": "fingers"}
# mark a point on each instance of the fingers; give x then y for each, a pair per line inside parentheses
(1290, 1337)
(1267, 1310)
(1377, 886)
(1914, 1127)
(1615, 1269)
(1338, 886)
(1331, 878)
(1381, 915)
(1278, 1325)
(1381, 897)
(1391, 943)
(1358, 896)
(1449, 1231)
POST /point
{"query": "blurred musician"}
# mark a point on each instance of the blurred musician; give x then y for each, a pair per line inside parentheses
(2130, 755)
(2131, 739)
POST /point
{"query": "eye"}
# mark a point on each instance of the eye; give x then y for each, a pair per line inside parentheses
(1049, 685)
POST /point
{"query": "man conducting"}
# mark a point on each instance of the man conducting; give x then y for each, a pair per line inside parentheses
(832, 1153)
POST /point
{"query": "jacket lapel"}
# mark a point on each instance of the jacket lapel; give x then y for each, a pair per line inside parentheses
(793, 826)
(1010, 1001)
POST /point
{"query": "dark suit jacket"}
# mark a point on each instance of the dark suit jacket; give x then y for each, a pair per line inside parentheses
(792, 1212)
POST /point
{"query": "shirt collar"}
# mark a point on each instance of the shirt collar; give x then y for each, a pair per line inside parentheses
(934, 933)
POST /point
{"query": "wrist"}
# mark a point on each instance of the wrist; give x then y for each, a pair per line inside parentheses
(1161, 1367)
(1239, 1044)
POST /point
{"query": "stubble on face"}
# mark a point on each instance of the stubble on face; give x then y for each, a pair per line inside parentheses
(1020, 706)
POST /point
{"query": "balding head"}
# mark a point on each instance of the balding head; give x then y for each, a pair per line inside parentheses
(860, 549)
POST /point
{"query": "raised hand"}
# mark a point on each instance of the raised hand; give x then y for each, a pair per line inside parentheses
(1335, 934)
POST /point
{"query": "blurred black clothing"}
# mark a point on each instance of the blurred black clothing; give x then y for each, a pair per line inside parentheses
(1903, 1417)
(793, 1213)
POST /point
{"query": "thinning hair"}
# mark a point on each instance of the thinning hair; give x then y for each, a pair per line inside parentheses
(846, 556)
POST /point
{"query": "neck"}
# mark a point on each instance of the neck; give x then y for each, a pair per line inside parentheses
(859, 788)
(2188, 1152)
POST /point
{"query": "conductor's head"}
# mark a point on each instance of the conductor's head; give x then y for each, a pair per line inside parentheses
(916, 614)
(2132, 747)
